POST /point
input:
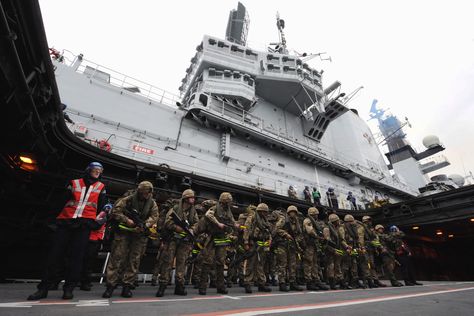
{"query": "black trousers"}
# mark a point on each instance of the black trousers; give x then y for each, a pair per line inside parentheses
(408, 269)
(90, 258)
(69, 241)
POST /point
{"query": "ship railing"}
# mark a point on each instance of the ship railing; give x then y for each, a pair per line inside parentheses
(117, 79)
(231, 111)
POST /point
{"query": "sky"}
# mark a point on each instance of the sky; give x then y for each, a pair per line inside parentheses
(415, 57)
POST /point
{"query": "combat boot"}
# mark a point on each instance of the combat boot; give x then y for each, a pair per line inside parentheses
(283, 287)
(202, 291)
(295, 287)
(318, 285)
(395, 283)
(180, 290)
(344, 285)
(108, 291)
(274, 281)
(264, 288)
(310, 286)
(126, 291)
(67, 293)
(417, 283)
(371, 284)
(408, 283)
(41, 293)
(379, 283)
(222, 290)
(248, 289)
(332, 284)
(161, 290)
(362, 284)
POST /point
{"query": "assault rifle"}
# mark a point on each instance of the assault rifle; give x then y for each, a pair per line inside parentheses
(134, 215)
(184, 224)
(242, 255)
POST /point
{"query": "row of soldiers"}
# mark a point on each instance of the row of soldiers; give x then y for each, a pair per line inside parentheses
(262, 245)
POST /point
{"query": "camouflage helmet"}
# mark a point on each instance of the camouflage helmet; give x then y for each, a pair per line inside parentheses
(225, 197)
(348, 218)
(250, 208)
(313, 211)
(145, 186)
(291, 208)
(262, 207)
(333, 218)
(188, 193)
(377, 227)
(366, 218)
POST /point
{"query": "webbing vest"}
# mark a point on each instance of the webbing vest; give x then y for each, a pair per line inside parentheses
(83, 204)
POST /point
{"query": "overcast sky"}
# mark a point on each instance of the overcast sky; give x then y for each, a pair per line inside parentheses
(415, 57)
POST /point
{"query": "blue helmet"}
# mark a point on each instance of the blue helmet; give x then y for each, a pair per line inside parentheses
(394, 228)
(93, 165)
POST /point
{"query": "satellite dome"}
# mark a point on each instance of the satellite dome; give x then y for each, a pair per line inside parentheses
(457, 179)
(431, 141)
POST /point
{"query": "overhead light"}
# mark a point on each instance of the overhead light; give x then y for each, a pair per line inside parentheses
(450, 235)
(415, 227)
(472, 220)
(26, 159)
(439, 233)
(26, 162)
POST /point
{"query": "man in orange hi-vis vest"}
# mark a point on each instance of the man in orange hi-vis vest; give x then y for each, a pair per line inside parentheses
(73, 226)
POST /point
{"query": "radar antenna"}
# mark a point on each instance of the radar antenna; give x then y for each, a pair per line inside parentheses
(280, 47)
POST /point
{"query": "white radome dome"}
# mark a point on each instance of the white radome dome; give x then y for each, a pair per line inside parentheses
(431, 141)
(457, 179)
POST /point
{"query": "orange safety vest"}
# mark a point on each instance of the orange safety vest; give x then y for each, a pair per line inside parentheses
(97, 234)
(82, 204)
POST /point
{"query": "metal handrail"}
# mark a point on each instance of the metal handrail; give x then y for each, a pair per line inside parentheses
(123, 81)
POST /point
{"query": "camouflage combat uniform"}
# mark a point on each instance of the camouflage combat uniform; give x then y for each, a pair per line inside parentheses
(215, 249)
(127, 246)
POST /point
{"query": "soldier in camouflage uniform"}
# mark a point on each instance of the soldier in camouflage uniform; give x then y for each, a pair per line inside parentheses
(373, 247)
(128, 244)
(270, 268)
(357, 238)
(289, 239)
(162, 257)
(219, 223)
(387, 254)
(181, 242)
(311, 227)
(257, 239)
(335, 249)
(236, 271)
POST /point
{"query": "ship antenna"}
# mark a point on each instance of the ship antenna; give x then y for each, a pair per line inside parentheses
(280, 47)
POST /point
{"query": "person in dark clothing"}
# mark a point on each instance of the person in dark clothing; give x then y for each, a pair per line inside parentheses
(65, 115)
(332, 199)
(307, 194)
(404, 256)
(352, 200)
(73, 226)
(93, 247)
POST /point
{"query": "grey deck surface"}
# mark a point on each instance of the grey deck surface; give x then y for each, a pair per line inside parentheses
(434, 298)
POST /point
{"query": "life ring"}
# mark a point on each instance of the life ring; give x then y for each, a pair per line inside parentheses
(105, 145)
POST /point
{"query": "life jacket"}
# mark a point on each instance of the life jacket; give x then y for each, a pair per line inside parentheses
(83, 204)
(98, 234)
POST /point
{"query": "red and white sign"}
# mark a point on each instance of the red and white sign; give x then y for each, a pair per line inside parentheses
(143, 150)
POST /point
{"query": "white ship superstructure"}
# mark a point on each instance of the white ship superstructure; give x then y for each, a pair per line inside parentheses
(256, 119)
